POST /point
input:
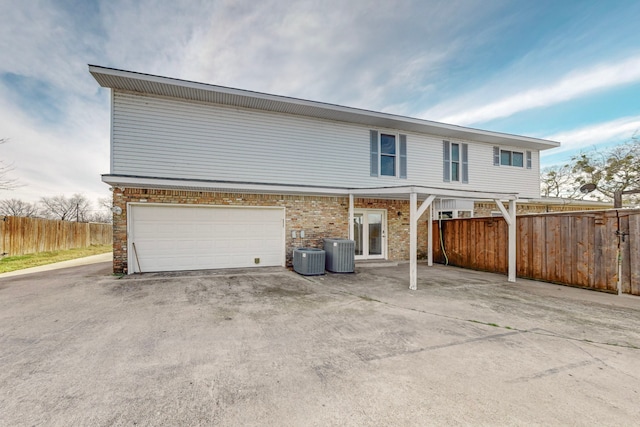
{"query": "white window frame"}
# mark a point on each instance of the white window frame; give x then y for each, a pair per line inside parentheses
(526, 158)
(457, 162)
(396, 160)
(400, 164)
(463, 166)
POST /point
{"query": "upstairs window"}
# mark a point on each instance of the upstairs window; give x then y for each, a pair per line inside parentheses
(388, 154)
(511, 158)
(455, 162)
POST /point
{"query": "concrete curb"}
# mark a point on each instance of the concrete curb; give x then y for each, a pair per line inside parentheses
(93, 259)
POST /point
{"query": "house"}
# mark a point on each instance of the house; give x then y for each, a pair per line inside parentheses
(207, 177)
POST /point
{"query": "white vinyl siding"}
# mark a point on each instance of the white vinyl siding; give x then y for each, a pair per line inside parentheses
(167, 138)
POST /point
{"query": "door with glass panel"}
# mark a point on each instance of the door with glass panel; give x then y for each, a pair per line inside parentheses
(370, 233)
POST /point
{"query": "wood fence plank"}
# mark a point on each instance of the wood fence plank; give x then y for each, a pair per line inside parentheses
(625, 255)
(634, 253)
(599, 274)
(566, 250)
(581, 226)
(482, 243)
(537, 246)
(522, 250)
(503, 254)
(611, 251)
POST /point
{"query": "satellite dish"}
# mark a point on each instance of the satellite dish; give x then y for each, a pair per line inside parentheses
(587, 188)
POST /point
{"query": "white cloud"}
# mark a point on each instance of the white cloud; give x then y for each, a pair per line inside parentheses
(360, 53)
(374, 54)
(63, 160)
(573, 85)
(618, 130)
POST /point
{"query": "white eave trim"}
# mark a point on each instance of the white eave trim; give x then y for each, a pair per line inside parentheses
(439, 192)
(218, 186)
(183, 89)
(397, 193)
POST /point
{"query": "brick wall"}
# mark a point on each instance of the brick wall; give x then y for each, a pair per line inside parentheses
(398, 226)
(319, 217)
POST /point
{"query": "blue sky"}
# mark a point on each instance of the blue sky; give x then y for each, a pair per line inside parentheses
(562, 70)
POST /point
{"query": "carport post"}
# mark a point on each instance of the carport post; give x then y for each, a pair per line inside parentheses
(413, 241)
(430, 237)
(414, 215)
(350, 226)
(512, 241)
(510, 218)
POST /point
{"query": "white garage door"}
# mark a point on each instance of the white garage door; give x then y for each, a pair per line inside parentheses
(171, 238)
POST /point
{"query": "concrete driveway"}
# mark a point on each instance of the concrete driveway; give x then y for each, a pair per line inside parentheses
(269, 347)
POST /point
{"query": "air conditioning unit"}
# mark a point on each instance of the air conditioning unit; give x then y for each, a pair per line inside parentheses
(340, 255)
(308, 261)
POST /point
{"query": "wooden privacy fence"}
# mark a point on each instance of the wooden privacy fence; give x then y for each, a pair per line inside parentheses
(591, 249)
(31, 235)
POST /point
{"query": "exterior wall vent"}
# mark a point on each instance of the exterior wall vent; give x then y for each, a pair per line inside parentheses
(308, 261)
(340, 255)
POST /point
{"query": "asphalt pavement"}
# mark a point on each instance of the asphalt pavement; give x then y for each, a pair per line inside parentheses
(267, 347)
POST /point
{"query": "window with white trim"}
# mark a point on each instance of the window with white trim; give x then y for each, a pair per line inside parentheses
(455, 163)
(511, 158)
(388, 154)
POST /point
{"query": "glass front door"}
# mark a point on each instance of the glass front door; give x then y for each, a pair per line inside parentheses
(369, 232)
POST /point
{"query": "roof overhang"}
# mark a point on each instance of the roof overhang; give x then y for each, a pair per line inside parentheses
(565, 202)
(392, 193)
(130, 81)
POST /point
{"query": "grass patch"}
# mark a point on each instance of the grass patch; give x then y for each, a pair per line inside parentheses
(19, 262)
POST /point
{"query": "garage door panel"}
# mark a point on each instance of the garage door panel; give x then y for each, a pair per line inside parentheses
(171, 238)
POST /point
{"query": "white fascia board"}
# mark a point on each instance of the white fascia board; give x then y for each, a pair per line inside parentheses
(384, 192)
(439, 192)
(160, 183)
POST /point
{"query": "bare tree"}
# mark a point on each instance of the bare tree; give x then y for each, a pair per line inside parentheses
(6, 182)
(103, 213)
(559, 181)
(16, 207)
(76, 208)
(615, 170)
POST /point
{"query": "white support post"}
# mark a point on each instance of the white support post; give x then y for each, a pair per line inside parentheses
(510, 218)
(413, 241)
(423, 207)
(350, 226)
(430, 237)
(512, 241)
